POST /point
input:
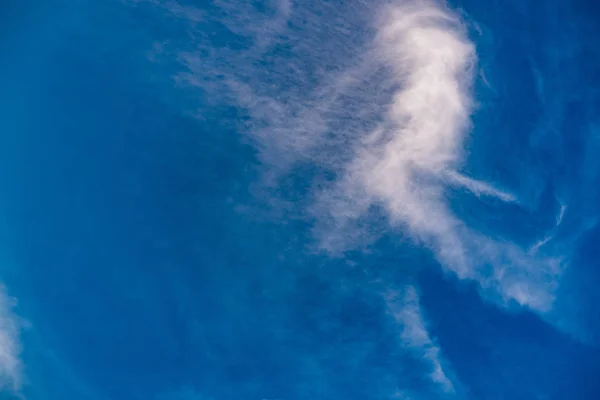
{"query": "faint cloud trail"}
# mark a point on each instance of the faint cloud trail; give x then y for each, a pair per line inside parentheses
(406, 311)
(11, 366)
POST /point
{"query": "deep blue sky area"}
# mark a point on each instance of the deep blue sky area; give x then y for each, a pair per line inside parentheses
(189, 210)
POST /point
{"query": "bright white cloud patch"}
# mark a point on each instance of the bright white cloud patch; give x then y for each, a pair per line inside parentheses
(407, 162)
(378, 95)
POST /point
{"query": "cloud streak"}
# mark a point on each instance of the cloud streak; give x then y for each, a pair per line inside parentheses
(405, 308)
(11, 366)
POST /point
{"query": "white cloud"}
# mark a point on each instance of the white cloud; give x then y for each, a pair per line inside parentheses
(405, 308)
(407, 162)
(379, 95)
(11, 366)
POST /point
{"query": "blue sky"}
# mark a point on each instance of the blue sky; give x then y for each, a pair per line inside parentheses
(288, 200)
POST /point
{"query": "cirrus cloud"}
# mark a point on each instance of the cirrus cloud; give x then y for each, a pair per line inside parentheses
(377, 96)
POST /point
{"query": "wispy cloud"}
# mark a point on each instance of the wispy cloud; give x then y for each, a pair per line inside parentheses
(409, 160)
(377, 95)
(405, 308)
(11, 366)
